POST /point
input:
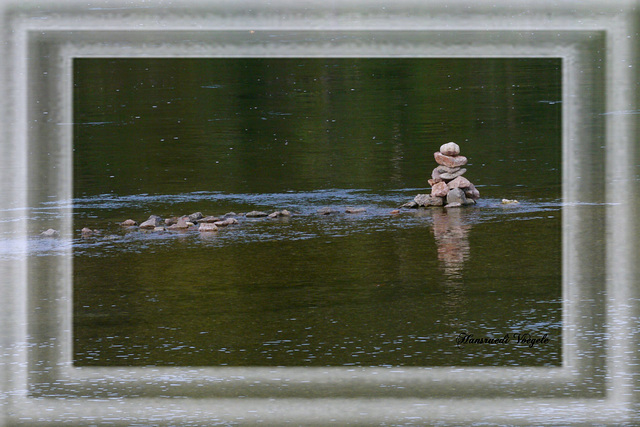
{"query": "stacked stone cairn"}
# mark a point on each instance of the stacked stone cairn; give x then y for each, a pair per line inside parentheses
(448, 187)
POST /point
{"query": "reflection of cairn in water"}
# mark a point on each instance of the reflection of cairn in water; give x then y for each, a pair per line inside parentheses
(450, 233)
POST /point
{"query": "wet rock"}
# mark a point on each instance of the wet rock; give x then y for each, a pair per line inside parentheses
(181, 224)
(453, 205)
(410, 205)
(194, 217)
(471, 192)
(86, 232)
(207, 227)
(128, 223)
(153, 222)
(280, 214)
(171, 221)
(256, 214)
(326, 211)
(454, 175)
(355, 210)
(50, 233)
(226, 222)
(456, 195)
(509, 202)
(210, 218)
(439, 189)
(426, 200)
(450, 161)
(450, 149)
(459, 182)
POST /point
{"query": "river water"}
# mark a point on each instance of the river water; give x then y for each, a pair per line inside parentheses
(173, 137)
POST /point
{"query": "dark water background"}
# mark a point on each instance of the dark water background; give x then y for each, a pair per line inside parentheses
(177, 136)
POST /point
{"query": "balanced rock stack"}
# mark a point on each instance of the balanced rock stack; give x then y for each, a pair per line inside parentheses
(448, 187)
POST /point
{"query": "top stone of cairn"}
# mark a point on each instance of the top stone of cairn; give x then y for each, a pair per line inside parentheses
(450, 149)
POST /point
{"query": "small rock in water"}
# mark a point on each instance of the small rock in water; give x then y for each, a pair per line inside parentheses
(181, 224)
(50, 233)
(256, 214)
(326, 211)
(231, 214)
(153, 222)
(508, 202)
(355, 210)
(439, 189)
(210, 219)
(86, 231)
(280, 214)
(128, 223)
(450, 161)
(394, 212)
(410, 205)
(207, 227)
(428, 200)
(171, 221)
(194, 217)
(226, 222)
(453, 205)
(456, 195)
(472, 192)
(160, 228)
(450, 149)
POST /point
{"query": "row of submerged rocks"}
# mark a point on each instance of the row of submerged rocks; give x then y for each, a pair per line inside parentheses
(449, 188)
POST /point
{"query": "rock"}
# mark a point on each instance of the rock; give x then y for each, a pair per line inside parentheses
(453, 205)
(471, 192)
(158, 228)
(447, 169)
(153, 222)
(226, 222)
(171, 221)
(459, 182)
(450, 149)
(435, 176)
(279, 214)
(210, 219)
(326, 211)
(428, 200)
(410, 205)
(355, 210)
(432, 182)
(181, 224)
(50, 233)
(439, 189)
(456, 195)
(454, 175)
(128, 223)
(469, 202)
(508, 202)
(231, 214)
(207, 227)
(256, 214)
(394, 212)
(86, 231)
(194, 217)
(450, 161)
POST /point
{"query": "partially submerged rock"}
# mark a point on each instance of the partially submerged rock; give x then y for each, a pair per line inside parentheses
(86, 232)
(153, 222)
(209, 219)
(194, 217)
(181, 224)
(326, 211)
(509, 202)
(225, 222)
(207, 227)
(426, 200)
(50, 233)
(280, 214)
(256, 214)
(355, 210)
(128, 223)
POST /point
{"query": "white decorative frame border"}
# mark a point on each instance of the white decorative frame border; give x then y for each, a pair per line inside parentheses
(598, 44)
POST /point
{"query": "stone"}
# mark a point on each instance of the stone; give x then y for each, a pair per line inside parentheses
(225, 222)
(410, 205)
(453, 205)
(509, 202)
(171, 221)
(428, 200)
(456, 195)
(435, 175)
(447, 169)
(450, 149)
(231, 214)
(181, 224)
(256, 214)
(128, 223)
(326, 211)
(153, 222)
(207, 227)
(355, 210)
(450, 161)
(439, 189)
(471, 192)
(451, 176)
(209, 219)
(280, 214)
(459, 182)
(194, 217)
(50, 233)
(394, 212)
(86, 231)
(160, 228)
